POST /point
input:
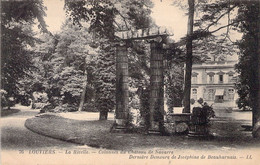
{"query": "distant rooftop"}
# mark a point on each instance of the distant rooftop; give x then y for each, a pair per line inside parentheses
(215, 64)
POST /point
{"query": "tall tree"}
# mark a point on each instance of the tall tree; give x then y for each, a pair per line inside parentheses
(104, 79)
(248, 86)
(106, 17)
(188, 66)
(247, 22)
(17, 18)
(73, 55)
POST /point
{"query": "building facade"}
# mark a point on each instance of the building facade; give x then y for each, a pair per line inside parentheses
(214, 81)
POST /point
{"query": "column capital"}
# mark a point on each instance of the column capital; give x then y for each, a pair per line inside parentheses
(157, 39)
(120, 43)
(125, 43)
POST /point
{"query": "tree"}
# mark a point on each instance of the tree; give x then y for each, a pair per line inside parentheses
(246, 21)
(188, 66)
(70, 62)
(248, 86)
(104, 80)
(174, 86)
(16, 24)
(106, 17)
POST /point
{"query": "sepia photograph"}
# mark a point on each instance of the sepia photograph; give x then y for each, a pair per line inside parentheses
(130, 82)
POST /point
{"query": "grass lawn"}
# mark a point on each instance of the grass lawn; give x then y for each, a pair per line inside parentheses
(228, 135)
(6, 112)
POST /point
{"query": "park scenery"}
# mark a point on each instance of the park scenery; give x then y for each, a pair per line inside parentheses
(130, 81)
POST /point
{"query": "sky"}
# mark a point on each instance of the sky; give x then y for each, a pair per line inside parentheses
(55, 14)
(163, 13)
(170, 16)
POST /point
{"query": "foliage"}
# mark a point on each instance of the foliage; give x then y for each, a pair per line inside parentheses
(4, 99)
(90, 107)
(243, 17)
(170, 128)
(40, 97)
(174, 86)
(104, 78)
(60, 67)
(144, 108)
(69, 60)
(188, 61)
(106, 17)
(248, 84)
(202, 114)
(17, 37)
(173, 74)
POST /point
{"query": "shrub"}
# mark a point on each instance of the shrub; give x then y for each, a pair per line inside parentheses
(202, 114)
(90, 107)
(144, 108)
(170, 128)
(65, 108)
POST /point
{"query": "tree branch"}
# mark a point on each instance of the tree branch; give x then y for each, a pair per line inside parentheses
(124, 19)
(221, 16)
(222, 27)
(117, 25)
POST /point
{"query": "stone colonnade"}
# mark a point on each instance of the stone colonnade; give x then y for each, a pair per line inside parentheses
(122, 94)
(156, 100)
(156, 96)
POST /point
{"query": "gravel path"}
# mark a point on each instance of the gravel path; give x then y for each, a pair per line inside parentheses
(15, 136)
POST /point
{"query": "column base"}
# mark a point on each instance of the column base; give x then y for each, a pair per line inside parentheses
(119, 126)
(154, 128)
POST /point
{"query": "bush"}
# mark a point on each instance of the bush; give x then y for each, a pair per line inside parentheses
(40, 97)
(5, 100)
(47, 108)
(58, 108)
(144, 108)
(65, 108)
(38, 105)
(90, 107)
(202, 114)
(170, 128)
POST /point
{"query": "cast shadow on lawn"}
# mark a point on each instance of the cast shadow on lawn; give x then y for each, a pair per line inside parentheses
(7, 112)
(97, 134)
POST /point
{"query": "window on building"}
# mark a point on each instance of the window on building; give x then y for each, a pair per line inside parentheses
(194, 79)
(219, 99)
(231, 93)
(211, 94)
(194, 94)
(211, 78)
(221, 78)
(230, 77)
(231, 90)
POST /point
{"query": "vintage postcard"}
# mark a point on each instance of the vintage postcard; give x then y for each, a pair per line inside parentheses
(91, 82)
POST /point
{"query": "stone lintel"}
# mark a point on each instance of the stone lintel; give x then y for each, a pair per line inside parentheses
(141, 34)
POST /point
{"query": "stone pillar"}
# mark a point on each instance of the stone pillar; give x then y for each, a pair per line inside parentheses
(156, 99)
(122, 95)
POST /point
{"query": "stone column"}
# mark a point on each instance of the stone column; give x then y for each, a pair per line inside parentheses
(122, 95)
(156, 100)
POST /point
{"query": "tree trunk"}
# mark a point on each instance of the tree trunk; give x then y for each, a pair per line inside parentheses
(188, 69)
(103, 115)
(82, 99)
(256, 108)
(83, 95)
